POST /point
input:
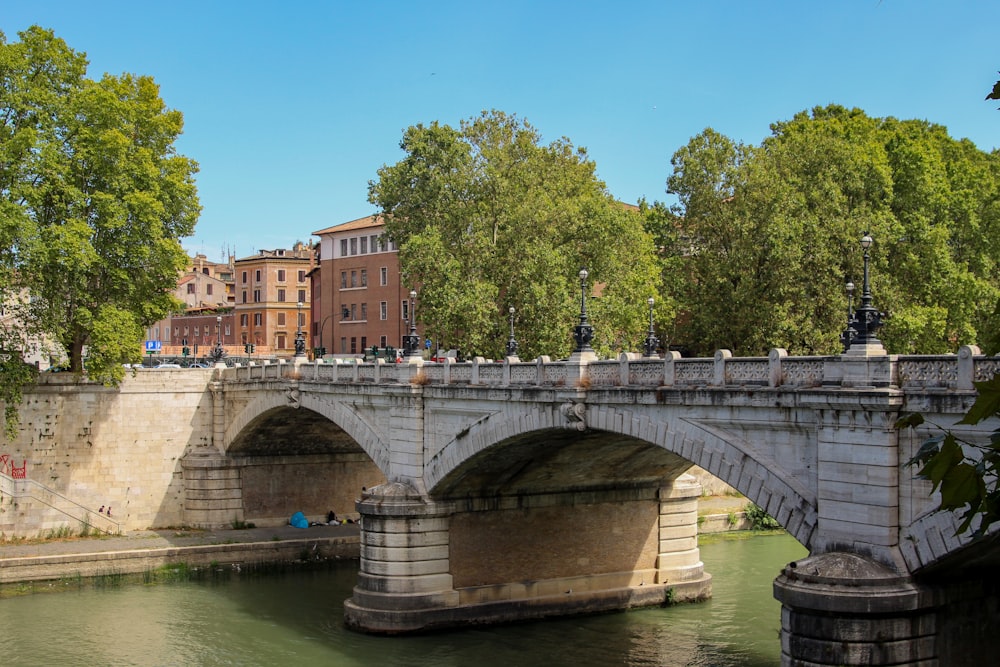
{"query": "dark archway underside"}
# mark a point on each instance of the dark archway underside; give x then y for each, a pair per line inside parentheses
(558, 460)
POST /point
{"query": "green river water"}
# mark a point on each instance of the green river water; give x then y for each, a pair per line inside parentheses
(295, 619)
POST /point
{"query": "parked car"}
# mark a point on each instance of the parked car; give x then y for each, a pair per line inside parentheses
(168, 366)
(198, 365)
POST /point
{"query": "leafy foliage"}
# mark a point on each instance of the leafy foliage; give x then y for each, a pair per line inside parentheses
(963, 471)
(995, 93)
(487, 218)
(93, 201)
(764, 238)
(759, 519)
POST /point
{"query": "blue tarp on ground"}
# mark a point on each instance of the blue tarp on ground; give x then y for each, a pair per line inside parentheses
(299, 520)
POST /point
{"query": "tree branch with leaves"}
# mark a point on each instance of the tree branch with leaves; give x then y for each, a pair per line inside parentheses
(965, 472)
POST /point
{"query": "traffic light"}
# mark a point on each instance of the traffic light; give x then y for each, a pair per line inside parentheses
(186, 351)
(375, 351)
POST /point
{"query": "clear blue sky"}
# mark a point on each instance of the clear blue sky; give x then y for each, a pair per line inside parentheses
(291, 107)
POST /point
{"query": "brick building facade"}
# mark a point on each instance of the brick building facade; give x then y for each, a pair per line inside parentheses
(360, 299)
(273, 299)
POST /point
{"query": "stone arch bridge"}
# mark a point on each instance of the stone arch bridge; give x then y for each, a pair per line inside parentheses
(517, 490)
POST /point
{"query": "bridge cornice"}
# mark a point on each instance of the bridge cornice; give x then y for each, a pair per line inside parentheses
(910, 373)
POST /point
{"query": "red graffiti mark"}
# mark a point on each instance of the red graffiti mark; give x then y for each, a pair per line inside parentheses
(7, 467)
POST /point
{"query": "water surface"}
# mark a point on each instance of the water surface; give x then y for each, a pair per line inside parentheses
(297, 619)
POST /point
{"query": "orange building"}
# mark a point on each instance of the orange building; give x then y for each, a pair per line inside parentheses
(359, 301)
(273, 299)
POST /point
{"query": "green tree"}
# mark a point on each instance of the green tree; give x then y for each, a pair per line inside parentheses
(486, 217)
(95, 201)
(768, 235)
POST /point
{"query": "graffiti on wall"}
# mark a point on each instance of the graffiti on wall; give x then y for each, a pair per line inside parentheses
(8, 467)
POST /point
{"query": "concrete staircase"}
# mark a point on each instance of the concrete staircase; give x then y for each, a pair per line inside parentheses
(25, 502)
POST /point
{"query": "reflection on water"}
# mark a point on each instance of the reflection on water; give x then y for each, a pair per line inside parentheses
(296, 619)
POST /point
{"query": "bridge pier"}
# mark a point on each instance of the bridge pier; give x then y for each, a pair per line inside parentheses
(213, 492)
(428, 565)
(840, 608)
(404, 584)
(843, 609)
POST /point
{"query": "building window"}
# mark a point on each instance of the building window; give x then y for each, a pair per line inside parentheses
(354, 345)
(256, 296)
(364, 313)
(243, 320)
(343, 280)
(302, 276)
(281, 319)
(364, 249)
(364, 343)
(354, 311)
(364, 277)
(197, 331)
(374, 238)
(280, 341)
(354, 246)
(227, 333)
(406, 309)
(281, 275)
(281, 295)
(244, 296)
(383, 276)
(343, 247)
(302, 320)
(302, 296)
(383, 310)
(343, 345)
(383, 342)
(258, 319)
(244, 281)
(208, 289)
(256, 275)
(354, 278)
(190, 288)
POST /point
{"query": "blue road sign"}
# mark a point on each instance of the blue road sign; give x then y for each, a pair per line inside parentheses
(153, 346)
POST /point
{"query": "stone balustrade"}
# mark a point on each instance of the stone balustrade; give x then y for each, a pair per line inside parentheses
(946, 371)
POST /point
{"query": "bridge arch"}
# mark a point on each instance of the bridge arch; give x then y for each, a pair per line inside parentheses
(733, 460)
(364, 433)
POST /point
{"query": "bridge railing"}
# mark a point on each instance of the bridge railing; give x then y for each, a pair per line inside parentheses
(947, 371)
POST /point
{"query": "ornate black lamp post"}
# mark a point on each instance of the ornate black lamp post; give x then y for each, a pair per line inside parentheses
(300, 337)
(848, 335)
(512, 342)
(867, 319)
(218, 353)
(652, 342)
(411, 342)
(583, 333)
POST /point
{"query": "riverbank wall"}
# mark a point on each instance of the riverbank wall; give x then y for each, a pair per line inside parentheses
(149, 551)
(138, 552)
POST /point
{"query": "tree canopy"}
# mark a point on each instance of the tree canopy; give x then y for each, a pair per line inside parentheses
(487, 218)
(94, 200)
(764, 238)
